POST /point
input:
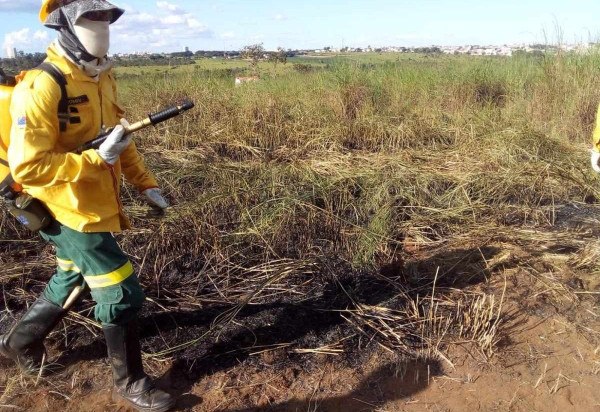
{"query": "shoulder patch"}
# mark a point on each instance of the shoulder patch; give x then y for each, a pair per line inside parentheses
(21, 122)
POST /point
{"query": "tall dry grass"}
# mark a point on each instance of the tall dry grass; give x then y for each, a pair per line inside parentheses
(352, 159)
(354, 169)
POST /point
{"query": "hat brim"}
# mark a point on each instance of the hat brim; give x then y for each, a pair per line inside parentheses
(105, 7)
(85, 6)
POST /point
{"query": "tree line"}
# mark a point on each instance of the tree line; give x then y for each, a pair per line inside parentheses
(23, 61)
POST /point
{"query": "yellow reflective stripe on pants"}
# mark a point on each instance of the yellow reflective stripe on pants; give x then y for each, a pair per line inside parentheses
(116, 290)
(67, 265)
(110, 279)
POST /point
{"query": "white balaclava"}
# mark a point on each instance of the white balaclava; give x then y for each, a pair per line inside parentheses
(93, 35)
(83, 32)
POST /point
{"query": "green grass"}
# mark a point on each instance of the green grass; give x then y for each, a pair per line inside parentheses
(371, 57)
(321, 60)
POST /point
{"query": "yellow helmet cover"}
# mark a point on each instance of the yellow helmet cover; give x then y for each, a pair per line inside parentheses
(48, 6)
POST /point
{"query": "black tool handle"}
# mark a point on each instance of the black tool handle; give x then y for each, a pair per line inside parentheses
(94, 144)
(153, 119)
(170, 112)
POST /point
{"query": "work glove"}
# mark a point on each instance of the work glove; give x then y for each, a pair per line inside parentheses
(115, 144)
(155, 198)
(595, 160)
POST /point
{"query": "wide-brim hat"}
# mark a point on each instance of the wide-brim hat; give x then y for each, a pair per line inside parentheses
(76, 9)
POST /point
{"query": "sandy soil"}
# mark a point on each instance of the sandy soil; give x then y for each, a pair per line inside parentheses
(547, 362)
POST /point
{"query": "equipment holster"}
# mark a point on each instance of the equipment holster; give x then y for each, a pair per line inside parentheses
(29, 211)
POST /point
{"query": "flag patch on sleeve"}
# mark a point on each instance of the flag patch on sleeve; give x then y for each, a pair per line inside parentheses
(22, 122)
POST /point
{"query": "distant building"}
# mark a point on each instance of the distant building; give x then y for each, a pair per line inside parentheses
(11, 52)
(186, 49)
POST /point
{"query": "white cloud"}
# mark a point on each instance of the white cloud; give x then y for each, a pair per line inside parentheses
(169, 7)
(171, 26)
(26, 39)
(16, 38)
(42, 36)
(174, 19)
(279, 17)
(196, 24)
(159, 26)
(227, 35)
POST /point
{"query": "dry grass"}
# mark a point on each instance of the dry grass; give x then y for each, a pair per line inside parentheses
(435, 178)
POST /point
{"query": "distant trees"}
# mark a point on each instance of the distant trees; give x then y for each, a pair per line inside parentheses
(184, 54)
(279, 56)
(152, 60)
(23, 61)
(428, 50)
(217, 53)
(253, 52)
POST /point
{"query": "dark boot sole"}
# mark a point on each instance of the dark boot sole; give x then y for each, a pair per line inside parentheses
(117, 397)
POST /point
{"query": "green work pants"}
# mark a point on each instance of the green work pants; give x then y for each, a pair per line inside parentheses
(96, 260)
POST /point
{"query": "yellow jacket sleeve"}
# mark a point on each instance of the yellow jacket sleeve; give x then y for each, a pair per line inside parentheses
(596, 136)
(32, 153)
(134, 169)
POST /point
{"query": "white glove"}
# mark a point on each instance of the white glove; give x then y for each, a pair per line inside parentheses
(595, 160)
(115, 144)
(155, 198)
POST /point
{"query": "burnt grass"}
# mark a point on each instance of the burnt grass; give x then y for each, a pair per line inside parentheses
(313, 322)
(307, 320)
(306, 313)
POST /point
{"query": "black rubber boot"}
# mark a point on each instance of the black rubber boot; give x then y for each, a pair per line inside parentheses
(131, 383)
(25, 342)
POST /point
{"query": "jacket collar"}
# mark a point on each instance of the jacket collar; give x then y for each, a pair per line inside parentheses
(67, 67)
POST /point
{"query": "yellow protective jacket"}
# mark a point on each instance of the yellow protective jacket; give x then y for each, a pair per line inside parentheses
(596, 135)
(80, 191)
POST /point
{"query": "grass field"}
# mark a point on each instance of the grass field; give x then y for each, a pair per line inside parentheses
(360, 161)
(269, 68)
(402, 202)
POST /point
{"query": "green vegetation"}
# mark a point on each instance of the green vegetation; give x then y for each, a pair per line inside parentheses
(270, 66)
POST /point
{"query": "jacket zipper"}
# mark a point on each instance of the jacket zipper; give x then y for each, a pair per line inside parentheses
(116, 188)
(112, 169)
(101, 105)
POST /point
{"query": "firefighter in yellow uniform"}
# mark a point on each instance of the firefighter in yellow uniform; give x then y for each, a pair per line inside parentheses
(81, 191)
(595, 151)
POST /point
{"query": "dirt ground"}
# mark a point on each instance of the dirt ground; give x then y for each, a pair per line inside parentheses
(546, 358)
(547, 366)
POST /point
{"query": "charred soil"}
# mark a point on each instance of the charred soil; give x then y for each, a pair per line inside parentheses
(338, 343)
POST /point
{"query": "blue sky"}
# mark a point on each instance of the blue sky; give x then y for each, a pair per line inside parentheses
(169, 25)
